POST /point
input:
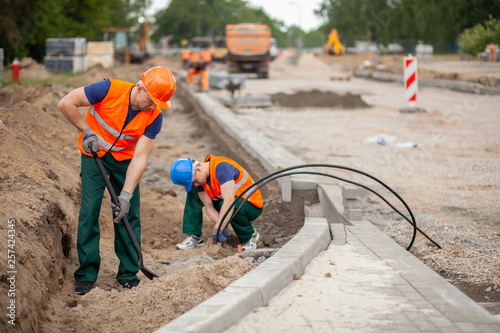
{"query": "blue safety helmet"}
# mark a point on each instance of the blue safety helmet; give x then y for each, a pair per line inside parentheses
(182, 173)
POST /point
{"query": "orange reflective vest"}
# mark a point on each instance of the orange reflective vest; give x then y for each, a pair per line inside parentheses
(185, 54)
(195, 57)
(206, 56)
(107, 120)
(243, 182)
(197, 62)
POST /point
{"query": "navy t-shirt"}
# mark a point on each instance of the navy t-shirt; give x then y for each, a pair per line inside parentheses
(96, 92)
(224, 172)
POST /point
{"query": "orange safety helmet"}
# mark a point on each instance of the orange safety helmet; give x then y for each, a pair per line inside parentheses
(160, 85)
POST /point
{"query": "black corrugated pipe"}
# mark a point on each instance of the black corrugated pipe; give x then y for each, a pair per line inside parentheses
(281, 173)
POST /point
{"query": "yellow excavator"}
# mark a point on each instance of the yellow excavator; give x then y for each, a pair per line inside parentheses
(334, 46)
(127, 49)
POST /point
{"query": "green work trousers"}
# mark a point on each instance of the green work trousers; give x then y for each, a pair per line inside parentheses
(242, 223)
(87, 243)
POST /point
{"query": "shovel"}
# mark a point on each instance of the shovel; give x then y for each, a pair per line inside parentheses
(150, 275)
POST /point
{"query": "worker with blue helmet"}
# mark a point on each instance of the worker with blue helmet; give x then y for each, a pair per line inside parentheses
(214, 184)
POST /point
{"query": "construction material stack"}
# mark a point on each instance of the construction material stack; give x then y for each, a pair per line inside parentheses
(424, 51)
(66, 55)
(100, 53)
(351, 203)
(486, 54)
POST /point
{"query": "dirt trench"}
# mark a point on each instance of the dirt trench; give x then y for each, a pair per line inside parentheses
(40, 191)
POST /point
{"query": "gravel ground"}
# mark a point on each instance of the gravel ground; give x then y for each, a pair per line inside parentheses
(450, 180)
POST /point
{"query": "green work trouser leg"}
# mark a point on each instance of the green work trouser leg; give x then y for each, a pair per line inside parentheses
(242, 223)
(87, 244)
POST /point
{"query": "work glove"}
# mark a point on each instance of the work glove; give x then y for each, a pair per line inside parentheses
(121, 210)
(223, 236)
(89, 142)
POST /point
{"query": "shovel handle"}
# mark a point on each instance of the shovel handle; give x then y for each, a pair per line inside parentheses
(149, 274)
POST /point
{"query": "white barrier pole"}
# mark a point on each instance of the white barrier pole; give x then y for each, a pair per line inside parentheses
(410, 80)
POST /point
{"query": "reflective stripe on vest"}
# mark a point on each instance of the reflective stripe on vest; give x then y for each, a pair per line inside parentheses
(100, 141)
(108, 128)
(108, 146)
(107, 118)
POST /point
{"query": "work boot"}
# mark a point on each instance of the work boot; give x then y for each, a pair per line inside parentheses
(131, 284)
(252, 243)
(83, 287)
(190, 242)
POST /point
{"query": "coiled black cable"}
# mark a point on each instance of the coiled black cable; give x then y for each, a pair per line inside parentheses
(281, 173)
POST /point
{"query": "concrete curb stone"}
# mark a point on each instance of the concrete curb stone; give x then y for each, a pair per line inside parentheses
(257, 287)
(414, 281)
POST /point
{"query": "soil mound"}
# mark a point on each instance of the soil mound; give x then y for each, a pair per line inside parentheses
(39, 191)
(153, 303)
(95, 74)
(316, 98)
(32, 70)
(161, 60)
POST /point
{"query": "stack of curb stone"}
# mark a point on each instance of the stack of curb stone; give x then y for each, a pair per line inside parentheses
(351, 202)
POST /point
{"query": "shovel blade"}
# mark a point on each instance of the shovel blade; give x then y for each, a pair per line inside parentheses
(150, 275)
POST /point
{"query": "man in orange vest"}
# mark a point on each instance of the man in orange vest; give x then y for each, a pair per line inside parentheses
(206, 56)
(214, 184)
(492, 52)
(121, 125)
(198, 66)
(185, 58)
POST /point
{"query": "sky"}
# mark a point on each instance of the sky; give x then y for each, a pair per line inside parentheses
(291, 12)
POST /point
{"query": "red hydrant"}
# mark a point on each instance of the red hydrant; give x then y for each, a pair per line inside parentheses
(16, 68)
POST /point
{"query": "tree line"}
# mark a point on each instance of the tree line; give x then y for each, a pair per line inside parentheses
(185, 19)
(439, 23)
(25, 24)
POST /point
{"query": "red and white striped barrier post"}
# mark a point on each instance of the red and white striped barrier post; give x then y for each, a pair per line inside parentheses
(410, 80)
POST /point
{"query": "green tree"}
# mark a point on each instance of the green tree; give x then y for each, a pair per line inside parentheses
(314, 38)
(434, 22)
(472, 12)
(475, 39)
(26, 24)
(185, 19)
(358, 19)
(346, 16)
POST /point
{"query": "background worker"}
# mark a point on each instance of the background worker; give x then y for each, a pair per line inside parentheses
(185, 58)
(214, 184)
(492, 52)
(206, 56)
(121, 125)
(198, 66)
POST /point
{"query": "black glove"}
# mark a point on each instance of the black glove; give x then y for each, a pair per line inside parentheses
(124, 205)
(223, 236)
(89, 137)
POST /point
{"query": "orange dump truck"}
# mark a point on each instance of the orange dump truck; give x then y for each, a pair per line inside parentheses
(248, 47)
